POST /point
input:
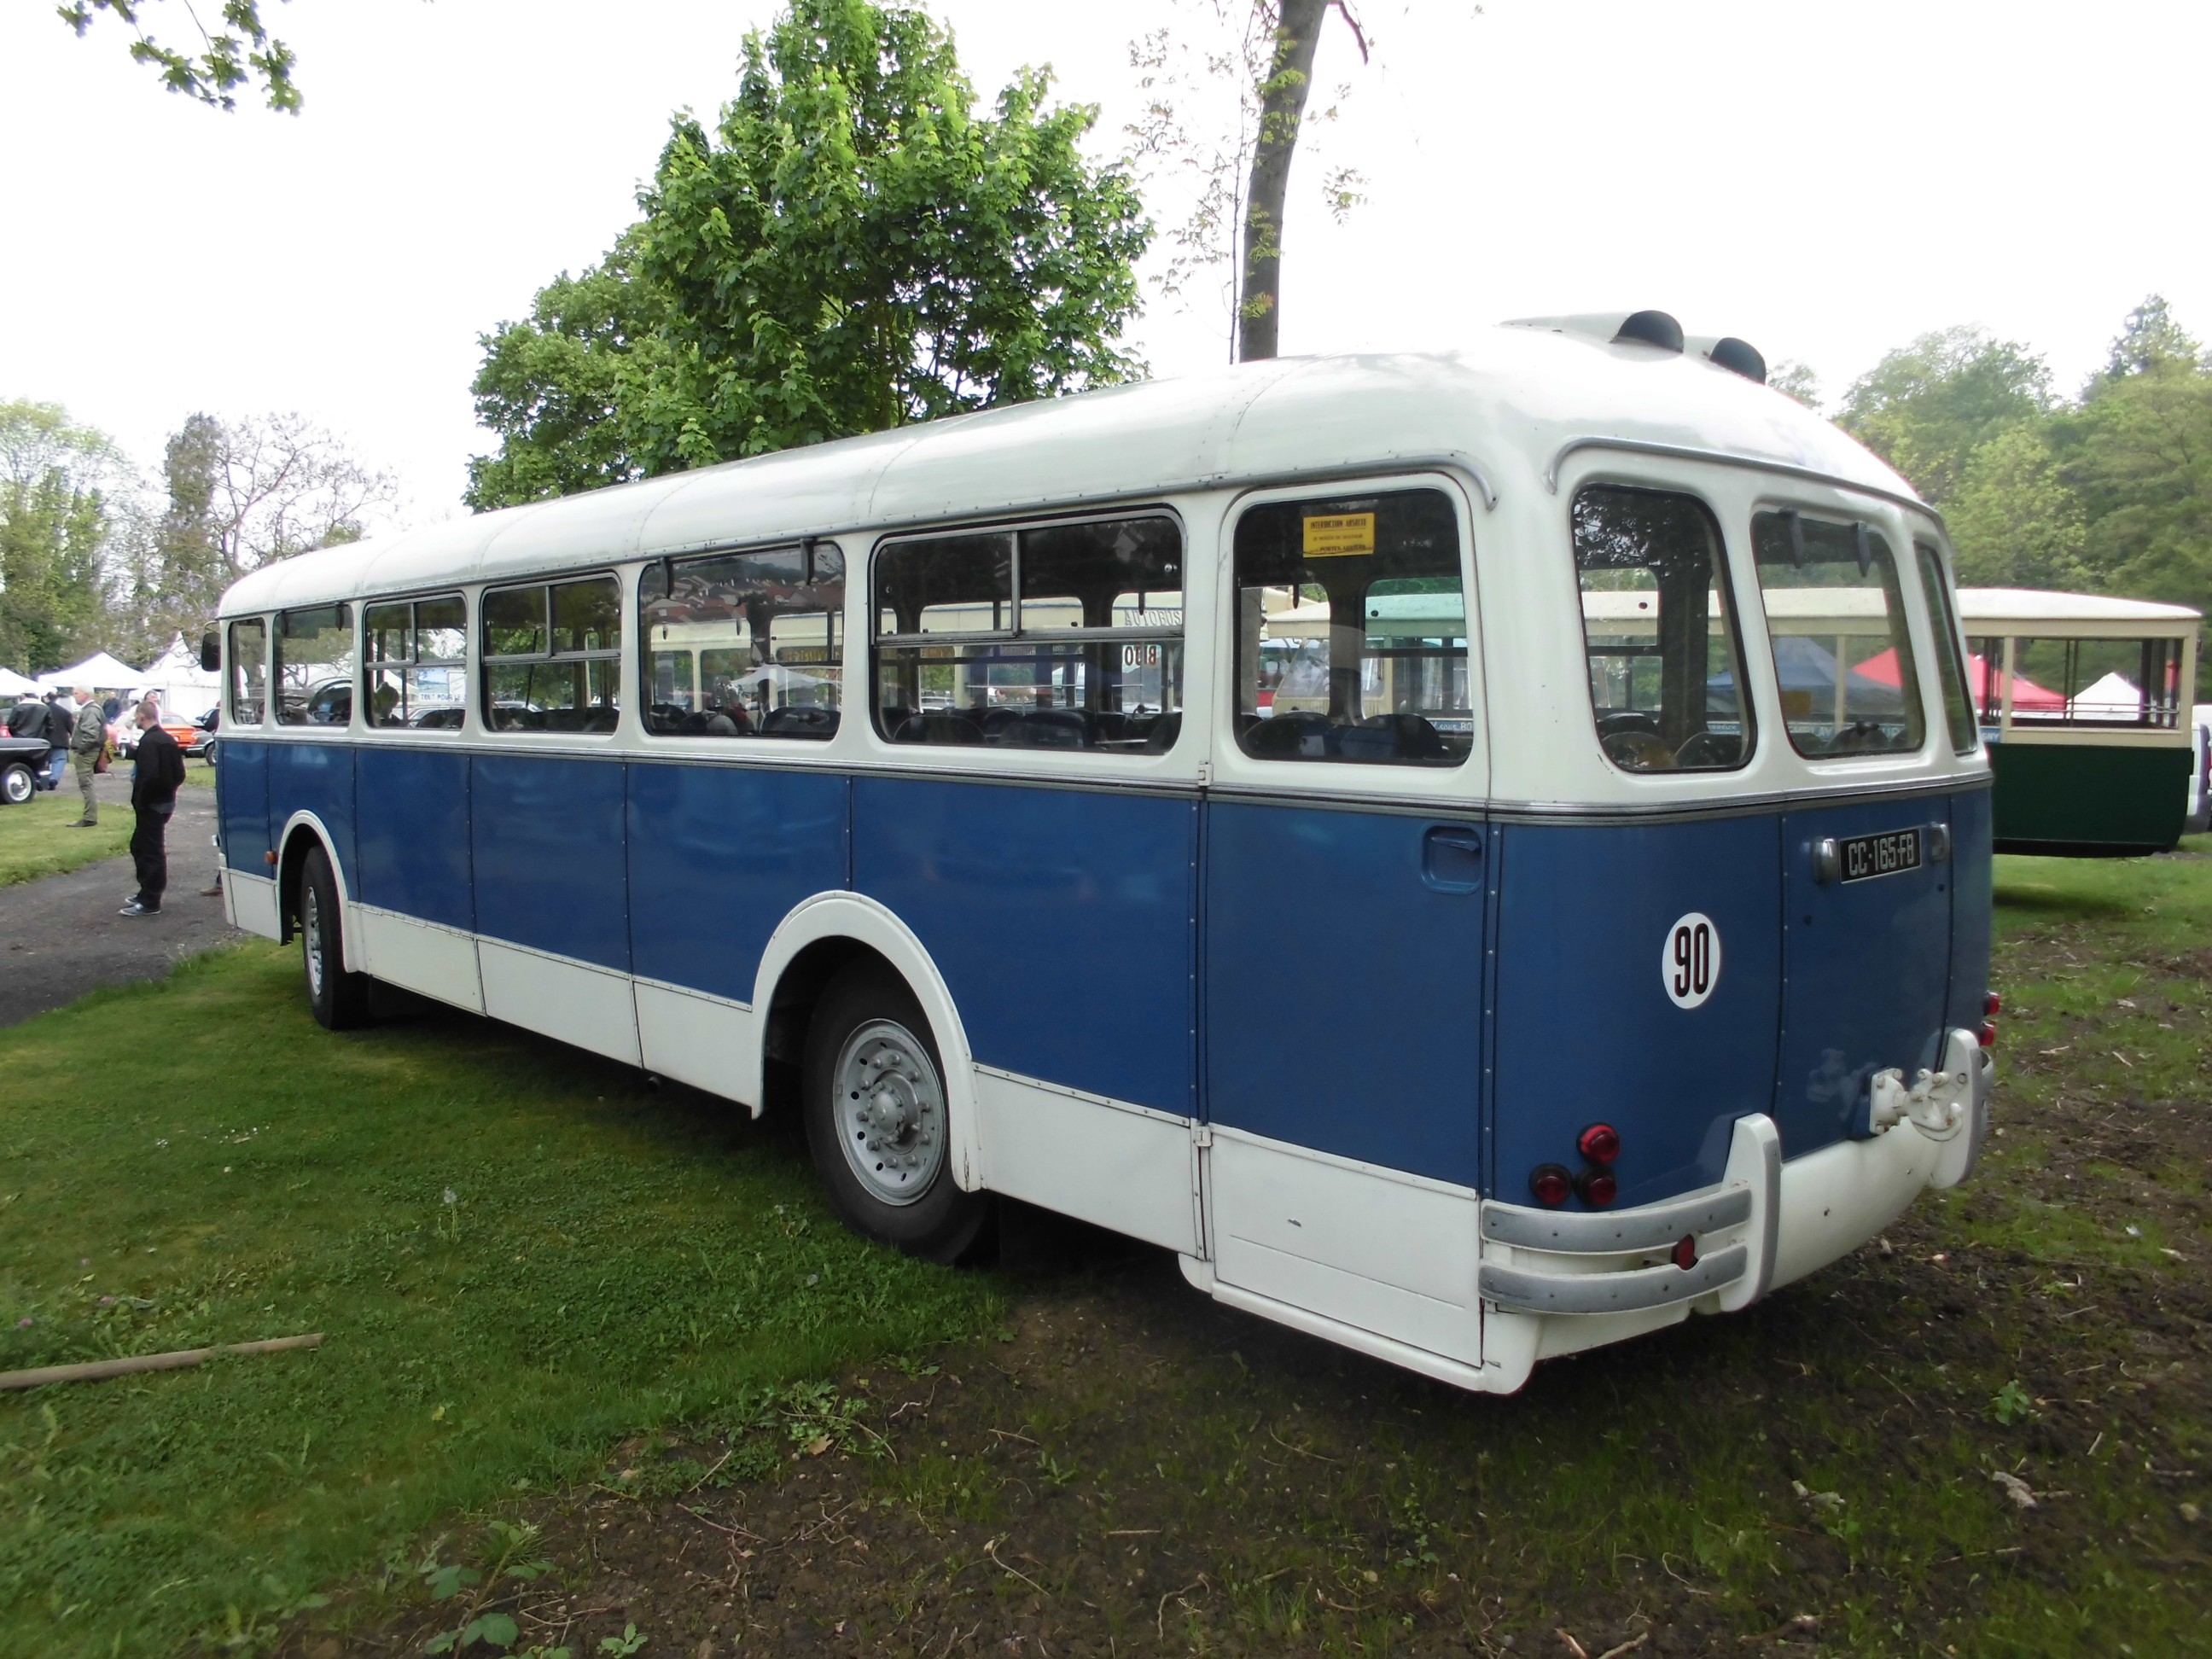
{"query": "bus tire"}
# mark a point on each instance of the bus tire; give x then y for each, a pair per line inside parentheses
(339, 999)
(876, 1118)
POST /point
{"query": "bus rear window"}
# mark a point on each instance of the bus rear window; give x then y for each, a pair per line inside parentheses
(1950, 666)
(1835, 611)
(1659, 633)
(1352, 631)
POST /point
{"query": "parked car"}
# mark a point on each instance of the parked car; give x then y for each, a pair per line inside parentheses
(2200, 770)
(191, 736)
(22, 762)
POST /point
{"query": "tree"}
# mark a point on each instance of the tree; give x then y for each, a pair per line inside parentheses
(852, 248)
(2015, 522)
(228, 61)
(1925, 407)
(242, 494)
(2148, 338)
(1240, 176)
(1796, 379)
(2139, 452)
(59, 527)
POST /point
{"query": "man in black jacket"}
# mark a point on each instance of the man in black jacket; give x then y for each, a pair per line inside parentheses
(156, 776)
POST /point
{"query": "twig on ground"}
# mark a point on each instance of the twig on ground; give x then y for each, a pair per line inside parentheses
(1160, 1614)
(734, 1532)
(1629, 1646)
(182, 1359)
(991, 1549)
(1574, 1647)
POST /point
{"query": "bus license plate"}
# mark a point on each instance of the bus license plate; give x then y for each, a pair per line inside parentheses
(1864, 857)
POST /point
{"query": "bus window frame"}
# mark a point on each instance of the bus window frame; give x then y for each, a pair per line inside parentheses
(480, 661)
(841, 630)
(1898, 532)
(231, 625)
(275, 712)
(1935, 542)
(1469, 778)
(864, 595)
(467, 662)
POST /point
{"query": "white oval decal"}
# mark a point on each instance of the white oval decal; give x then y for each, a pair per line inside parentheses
(1690, 961)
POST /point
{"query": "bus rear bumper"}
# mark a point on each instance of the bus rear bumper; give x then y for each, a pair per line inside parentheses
(1554, 1282)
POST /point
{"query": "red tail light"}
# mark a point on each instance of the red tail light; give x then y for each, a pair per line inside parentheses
(1987, 1036)
(1686, 1252)
(1552, 1184)
(1597, 1187)
(1600, 1143)
(1992, 1006)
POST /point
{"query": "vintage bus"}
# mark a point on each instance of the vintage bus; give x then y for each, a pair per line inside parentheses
(1541, 967)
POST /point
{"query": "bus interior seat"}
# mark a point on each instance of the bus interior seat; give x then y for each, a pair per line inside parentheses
(801, 721)
(1162, 734)
(934, 727)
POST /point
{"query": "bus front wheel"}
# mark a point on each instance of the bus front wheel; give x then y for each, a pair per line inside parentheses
(876, 1118)
(339, 999)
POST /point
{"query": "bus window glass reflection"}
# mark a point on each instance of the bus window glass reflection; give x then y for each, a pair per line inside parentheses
(744, 644)
(553, 657)
(1835, 611)
(314, 667)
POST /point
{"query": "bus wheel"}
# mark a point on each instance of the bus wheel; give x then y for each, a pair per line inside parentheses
(876, 1120)
(339, 999)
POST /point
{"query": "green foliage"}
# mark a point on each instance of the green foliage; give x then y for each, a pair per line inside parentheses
(853, 247)
(2139, 452)
(2015, 522)
(59, 534)
(1926, 407)
(630, 1257)
(231, 60)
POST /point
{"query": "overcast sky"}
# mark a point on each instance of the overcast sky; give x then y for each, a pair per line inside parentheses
(1826, 181)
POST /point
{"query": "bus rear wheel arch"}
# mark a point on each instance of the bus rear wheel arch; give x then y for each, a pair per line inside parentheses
(340, 999)
(878, 1124)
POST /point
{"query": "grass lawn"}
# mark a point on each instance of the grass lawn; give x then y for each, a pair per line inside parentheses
(576, 1350)
(35, 839)
(518, 1255)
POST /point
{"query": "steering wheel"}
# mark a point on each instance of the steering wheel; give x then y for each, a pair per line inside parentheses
(1709, 749)
(1627, 719)
(1639, 751)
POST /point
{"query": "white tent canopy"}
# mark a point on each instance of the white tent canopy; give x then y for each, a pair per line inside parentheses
(97, 672)
(178, 669)
(13, 685)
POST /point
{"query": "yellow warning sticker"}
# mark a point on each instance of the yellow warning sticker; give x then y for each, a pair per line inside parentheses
(1340, 535)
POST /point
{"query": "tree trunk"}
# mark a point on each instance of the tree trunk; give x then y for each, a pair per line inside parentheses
(1282, 109)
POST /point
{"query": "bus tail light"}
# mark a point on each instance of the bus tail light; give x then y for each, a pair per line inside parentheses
(1551, 1183)
(1686, 1252)
(1986, 1034)
(1597, 1187)
(1992, 1006)
(1599, 1143)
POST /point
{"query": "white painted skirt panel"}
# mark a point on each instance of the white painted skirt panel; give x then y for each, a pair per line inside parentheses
(252, 901)
(1351, 1244)
(591, 1008)
(1127, 1171)
(697, 1040)
(421, 955)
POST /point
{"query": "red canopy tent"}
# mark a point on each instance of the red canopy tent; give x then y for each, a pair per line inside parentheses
(2026, 692)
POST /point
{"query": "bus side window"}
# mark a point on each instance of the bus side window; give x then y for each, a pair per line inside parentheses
(744, 644)
(552, 656)
(314, 667)
(249, 658)
(413, 653)
(1351, 620)
(1943, 614)
(1060, 636)
(1659, 631)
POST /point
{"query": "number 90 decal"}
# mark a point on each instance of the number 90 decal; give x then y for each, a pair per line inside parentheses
(1690, 961)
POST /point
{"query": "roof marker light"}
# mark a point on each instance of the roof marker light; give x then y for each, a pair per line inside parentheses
(1653, 328)
(1739, 356)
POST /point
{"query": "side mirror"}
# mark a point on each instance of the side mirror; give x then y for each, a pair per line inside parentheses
(210, 650)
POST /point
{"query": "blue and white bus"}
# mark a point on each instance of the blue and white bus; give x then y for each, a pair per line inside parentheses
(1546, 964)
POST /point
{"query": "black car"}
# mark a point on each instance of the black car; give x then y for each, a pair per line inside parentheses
(21, 761)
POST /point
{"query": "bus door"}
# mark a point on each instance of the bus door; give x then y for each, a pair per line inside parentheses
(1867, 879)
(1343, 905)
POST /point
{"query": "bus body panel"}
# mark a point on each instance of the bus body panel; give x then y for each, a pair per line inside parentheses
(242, 805)
(412, 835)
(546, 833)
(718, 855)
(1587, 1029)
(2083, 798)
(316, 778)
(1344, 984)
(1869, 963)
(1062, 920)
(1972, 870)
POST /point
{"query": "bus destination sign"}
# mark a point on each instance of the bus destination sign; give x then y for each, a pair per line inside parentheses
(1864, 857)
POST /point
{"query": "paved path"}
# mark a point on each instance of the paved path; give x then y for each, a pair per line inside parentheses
(60, 937)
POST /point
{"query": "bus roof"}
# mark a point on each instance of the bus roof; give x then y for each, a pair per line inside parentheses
(1506, 409)
(1981, 608)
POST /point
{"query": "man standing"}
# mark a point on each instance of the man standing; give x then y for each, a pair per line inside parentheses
(156, 776)
(87, 742)
(58, 725)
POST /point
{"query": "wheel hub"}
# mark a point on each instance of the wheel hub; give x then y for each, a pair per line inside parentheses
(890, 1112)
